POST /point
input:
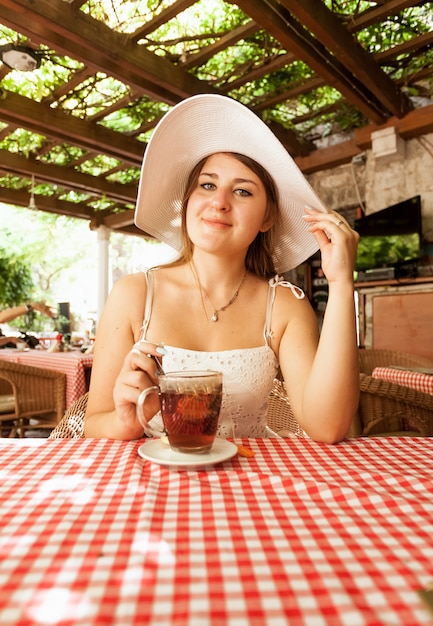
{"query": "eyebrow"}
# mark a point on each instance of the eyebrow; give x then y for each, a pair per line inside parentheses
(236, 180)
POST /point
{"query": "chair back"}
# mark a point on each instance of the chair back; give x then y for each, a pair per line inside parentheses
(280, 418)
(71, 425)
(38, 394)
(371, 358)
(388, 408)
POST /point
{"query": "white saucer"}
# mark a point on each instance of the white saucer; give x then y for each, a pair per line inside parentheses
(158, 452)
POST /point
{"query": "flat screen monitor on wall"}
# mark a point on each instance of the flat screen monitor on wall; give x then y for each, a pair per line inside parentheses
(391, 237)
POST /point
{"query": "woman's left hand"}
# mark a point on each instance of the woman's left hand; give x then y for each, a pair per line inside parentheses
(338, 243)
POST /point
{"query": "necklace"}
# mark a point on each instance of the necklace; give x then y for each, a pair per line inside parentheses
(214, 317)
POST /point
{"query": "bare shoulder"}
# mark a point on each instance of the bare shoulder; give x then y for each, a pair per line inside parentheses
(292, 310)
(290, 295)
(126, 299)
(130, 282)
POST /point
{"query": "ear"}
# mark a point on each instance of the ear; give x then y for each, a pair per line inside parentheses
(267, 224)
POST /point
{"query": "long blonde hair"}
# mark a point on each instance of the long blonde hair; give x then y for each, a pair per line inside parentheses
(259, 259)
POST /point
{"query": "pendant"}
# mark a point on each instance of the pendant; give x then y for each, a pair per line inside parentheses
(214, 317)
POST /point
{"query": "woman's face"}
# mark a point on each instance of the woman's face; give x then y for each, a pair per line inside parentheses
(227, 208)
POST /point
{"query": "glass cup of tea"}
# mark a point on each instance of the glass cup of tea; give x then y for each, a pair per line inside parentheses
(190, 407)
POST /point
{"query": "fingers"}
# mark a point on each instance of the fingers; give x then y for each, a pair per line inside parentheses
(150, 347)
(144, 356)
(331, 225)
(328, 222)
(42, 307)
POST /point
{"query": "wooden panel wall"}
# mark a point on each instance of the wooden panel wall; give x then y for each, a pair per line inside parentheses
(404, 321)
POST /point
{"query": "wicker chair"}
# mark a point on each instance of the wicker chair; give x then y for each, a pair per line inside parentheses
(32, 397)
(369, 359)
(71, 425)
(280, 418)
(388, 408)
(373, 417)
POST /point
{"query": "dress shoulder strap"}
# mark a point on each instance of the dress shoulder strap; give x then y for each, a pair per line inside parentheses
(273, 284)
(149, 300)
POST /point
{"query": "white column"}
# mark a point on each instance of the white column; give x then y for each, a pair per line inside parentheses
(103, 267)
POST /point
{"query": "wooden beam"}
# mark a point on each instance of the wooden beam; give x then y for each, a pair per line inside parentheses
(223, 43)
(327, 158)
(164, 16)
(328, 29)
(258, 72)
(379, 13)
(66, 178)
(73, 33)
(275, 18)
(414, 124)
(38, 118)
(49, 204)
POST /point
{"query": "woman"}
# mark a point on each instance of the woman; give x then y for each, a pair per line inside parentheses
(217, 185)
(11, 313)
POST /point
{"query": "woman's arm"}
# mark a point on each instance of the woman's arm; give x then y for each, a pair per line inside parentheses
(7, 315)
(120, 369)
(323, 377)
(5, 340)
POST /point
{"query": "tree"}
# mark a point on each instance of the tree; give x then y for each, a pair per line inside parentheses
(16, 282)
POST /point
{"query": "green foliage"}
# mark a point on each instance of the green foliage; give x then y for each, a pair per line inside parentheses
(40, 83)
(246, 55)
(22, 141)
(397, 29)
(311, 113)
(63, 154)
(133, 116)
(198, 26)
(125, 176)
(98, 165)
(93, 95)
(16, 283)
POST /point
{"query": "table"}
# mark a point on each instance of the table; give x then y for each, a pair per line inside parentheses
(408, 378)
(74, 364)
(303, 533)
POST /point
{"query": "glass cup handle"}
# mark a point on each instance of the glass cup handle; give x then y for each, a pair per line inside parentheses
(150, 432)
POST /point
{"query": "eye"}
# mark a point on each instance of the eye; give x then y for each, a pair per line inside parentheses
(208, 186)
(243, 192)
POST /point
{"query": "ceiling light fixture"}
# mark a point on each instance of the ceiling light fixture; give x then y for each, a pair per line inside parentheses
(20, 58)
(32, 203)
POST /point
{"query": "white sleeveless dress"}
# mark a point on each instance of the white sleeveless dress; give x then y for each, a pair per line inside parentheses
(248, 373)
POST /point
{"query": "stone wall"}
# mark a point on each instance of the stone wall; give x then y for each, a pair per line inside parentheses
(392, 171)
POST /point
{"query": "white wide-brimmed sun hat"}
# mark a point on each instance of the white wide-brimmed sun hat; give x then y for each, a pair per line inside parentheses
(206, 124)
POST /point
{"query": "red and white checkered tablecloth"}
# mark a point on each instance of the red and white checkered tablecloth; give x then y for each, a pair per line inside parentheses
(73, 364)
(415, 380)
(303, 533)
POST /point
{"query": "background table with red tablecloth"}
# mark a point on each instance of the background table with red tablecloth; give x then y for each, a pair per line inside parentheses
(74, 364)
(408, 378)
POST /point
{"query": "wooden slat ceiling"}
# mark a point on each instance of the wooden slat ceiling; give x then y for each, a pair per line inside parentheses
(71, 125)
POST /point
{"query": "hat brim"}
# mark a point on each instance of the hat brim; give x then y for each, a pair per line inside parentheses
(207, 124)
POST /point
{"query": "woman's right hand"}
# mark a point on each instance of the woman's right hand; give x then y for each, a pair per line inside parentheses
(42, 307)
(138, 373)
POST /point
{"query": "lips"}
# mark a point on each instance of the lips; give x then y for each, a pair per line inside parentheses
(216, 223)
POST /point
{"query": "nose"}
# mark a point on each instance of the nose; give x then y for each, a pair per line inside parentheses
(221, 200)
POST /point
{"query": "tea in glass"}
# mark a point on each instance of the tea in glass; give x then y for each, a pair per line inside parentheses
(190, 408)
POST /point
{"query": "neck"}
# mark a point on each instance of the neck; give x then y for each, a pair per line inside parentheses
(219, 296)
(216, 275)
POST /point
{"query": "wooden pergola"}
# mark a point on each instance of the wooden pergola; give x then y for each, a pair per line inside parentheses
(75, 130)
